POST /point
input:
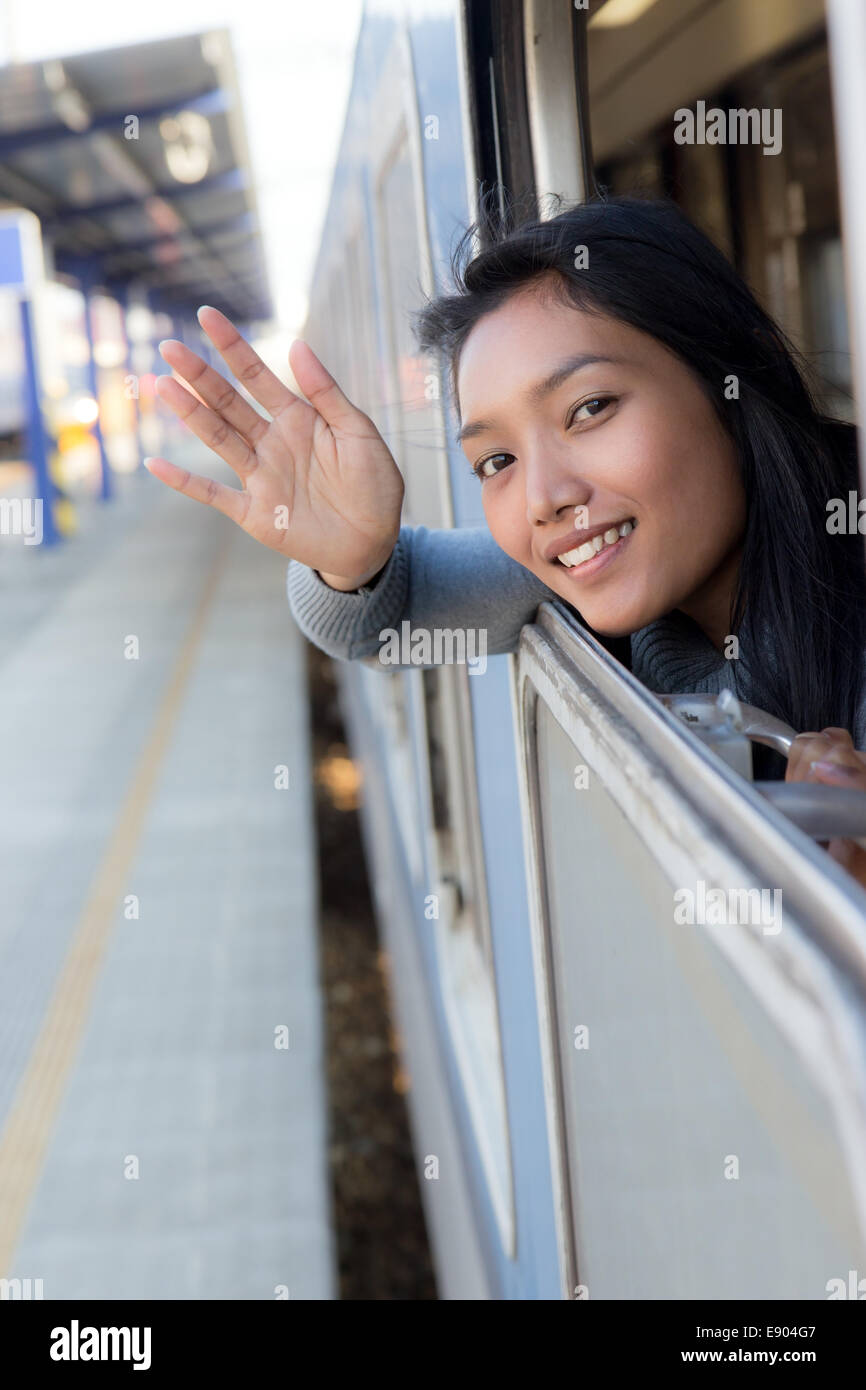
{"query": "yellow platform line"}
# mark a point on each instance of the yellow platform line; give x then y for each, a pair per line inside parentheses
(26, 1134)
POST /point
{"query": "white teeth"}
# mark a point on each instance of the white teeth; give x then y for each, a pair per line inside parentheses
(590, 549)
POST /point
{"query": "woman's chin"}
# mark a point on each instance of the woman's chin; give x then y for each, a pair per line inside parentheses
(610, 621)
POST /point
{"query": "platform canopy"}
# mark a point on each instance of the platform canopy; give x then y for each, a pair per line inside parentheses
(135, 161)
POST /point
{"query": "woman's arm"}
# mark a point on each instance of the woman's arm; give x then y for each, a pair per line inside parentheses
(434, 579)
(320, 485)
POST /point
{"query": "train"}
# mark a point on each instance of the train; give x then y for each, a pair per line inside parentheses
(604, 1104)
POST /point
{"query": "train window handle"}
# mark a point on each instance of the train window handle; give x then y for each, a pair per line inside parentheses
(730, 727)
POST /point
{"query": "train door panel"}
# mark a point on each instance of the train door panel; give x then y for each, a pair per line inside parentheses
(701, 968)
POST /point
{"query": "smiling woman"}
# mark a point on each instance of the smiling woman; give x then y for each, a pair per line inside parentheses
(685, 412)
(685, 416)
(647, 448)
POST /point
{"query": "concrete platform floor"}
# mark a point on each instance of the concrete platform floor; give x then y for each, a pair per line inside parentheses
(158, 1138)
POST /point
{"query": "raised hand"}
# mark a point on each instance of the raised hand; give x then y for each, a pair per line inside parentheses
(318, 481)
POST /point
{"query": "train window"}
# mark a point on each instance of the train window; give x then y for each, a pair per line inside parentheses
(386, 703)
(734, 1179)
(791, 240)
(772, 205)
(362, 386)
(448, 715)
(497, 105)
(415, 428)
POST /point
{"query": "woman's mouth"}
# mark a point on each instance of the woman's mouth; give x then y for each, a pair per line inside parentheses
(591, 556)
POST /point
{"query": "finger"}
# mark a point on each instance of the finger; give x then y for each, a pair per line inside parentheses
(837, 752)
(322, 391)
(211, 429)
(839, 735)
(214, 390)
(804, 749)
(808, 747)
(836, 772)
(245, 363)
(228, 500)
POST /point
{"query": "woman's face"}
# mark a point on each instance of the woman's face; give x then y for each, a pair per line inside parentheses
(578, 425)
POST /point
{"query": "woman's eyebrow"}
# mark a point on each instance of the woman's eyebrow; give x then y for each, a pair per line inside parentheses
(540, 389)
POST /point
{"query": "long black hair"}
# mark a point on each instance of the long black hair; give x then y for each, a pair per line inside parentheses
(800, 603)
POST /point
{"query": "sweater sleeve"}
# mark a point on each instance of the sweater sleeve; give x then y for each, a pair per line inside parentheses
(445, 579)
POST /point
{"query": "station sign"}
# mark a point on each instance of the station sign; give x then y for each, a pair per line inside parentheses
(22, 263)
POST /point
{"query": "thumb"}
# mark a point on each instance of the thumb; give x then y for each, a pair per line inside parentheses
(321, 390)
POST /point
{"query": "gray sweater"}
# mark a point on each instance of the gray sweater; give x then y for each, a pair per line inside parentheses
(462, 579)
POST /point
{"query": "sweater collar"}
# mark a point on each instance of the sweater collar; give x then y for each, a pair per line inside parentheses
(673, 655)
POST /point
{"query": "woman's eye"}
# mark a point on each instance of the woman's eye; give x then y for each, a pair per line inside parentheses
(600, 402)
(594, 406)
(479, 468)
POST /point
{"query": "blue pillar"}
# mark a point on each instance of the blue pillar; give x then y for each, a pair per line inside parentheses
(105, 491)
(37, 436)
(160, 366)
(121, 294)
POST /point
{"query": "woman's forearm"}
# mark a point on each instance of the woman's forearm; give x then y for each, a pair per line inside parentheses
(434, 580)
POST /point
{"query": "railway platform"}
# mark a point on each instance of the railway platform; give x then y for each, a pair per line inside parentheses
(162, 1093)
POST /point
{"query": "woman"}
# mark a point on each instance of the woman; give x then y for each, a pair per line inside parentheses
(647, 451)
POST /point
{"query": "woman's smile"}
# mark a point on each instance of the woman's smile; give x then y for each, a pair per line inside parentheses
(599, 548)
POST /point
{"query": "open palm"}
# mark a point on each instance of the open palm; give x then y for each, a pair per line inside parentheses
(319, 483)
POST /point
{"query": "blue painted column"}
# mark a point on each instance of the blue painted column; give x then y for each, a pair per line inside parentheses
(160, 367)
(38, 442)
(106, 489)
(121, 294)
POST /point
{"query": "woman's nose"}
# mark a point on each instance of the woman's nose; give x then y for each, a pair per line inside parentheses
(552, 484)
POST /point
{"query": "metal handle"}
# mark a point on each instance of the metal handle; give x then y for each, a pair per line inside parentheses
(724, 712)
(820, 811)
(723, 722)
(765, 728)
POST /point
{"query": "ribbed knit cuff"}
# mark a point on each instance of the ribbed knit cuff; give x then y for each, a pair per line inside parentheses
(347, 625)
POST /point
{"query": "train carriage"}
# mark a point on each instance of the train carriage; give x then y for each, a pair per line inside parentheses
(607, 1101)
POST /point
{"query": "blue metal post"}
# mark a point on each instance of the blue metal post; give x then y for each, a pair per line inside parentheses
(37, 435)
(160, 366)
(106, 488)
(122, 296)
